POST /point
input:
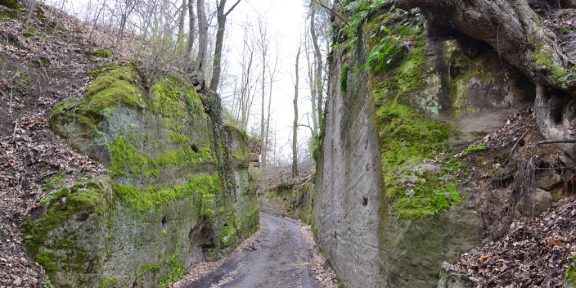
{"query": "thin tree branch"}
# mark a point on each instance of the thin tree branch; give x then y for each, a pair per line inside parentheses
(331, 11)
(307, 126)
(232, 8)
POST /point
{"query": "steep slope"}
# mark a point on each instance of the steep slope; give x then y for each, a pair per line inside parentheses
(427, 151)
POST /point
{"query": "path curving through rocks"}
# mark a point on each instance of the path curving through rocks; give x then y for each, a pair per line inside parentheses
(281, 256)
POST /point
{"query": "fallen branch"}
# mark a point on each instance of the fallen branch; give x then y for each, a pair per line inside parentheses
(45, 176)
(518, 141)
(566, 141)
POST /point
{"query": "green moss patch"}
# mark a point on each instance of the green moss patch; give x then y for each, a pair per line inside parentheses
(474, 149)
(397, 59)
(344, 77)
(53, 182)
(84, 197)
(171, 270)
(122, 84)
(143, 200)
(176, 271)
(114, 85)
(570, 275)
(9, 9)
(397, 37)
(107, 282)
(101, 53)
(543, 59)
(119, 85)
(407, 138)
(169, 92)
(248, 223)
(360, 11)
(127, 161)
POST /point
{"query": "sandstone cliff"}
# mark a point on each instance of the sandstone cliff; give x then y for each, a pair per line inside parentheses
(177, 188)
(427, 150)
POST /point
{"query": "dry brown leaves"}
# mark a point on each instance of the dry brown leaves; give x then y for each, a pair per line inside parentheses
(42, 64)
(534, 253)
(319, 265)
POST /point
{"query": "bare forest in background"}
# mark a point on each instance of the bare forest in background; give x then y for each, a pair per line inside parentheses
(190, 37)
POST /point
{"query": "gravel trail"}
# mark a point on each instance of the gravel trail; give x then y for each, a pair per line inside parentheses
(281, 257)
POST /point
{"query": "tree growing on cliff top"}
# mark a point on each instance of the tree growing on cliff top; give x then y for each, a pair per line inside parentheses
(295, 123)
(221, 16)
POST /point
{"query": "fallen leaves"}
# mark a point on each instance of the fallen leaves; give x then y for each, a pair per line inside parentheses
(534, 253)
(36, 74)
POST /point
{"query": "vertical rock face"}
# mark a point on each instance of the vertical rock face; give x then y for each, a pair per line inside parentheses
(172, 192)
(390, 207)
(348, 203)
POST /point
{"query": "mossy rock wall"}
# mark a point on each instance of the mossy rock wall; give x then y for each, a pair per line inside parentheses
(389, 206)
(166, 199)
(244, 192)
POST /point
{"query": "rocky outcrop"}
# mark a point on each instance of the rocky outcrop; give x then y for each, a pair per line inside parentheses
(349, 202)
(393, 200)
(176, 189)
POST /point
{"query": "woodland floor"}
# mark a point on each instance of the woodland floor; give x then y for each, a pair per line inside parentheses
(41, 63)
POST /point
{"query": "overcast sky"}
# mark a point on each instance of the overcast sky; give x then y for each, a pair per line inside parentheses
(285, 20)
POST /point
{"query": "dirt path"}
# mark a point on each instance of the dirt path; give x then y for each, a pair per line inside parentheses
(281, 257)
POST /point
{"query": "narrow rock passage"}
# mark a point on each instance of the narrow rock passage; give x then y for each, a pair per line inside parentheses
(280, 258)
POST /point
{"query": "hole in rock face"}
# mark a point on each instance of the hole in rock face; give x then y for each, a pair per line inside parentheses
(556, 115)
(163, 221)
(558, 101)
(471, 46)
(521, 143)
(364, 201)
(82, 217)
(194, 148)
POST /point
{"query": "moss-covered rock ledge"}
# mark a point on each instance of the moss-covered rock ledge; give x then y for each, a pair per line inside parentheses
(172, 194)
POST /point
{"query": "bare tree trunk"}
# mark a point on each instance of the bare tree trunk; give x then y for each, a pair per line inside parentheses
(295, 123)
(95, 20)
(263, 45)
(246, 97)
(311, 83)
(181, 20)
(272, 75)
(318, 83)
(221, 19)
(190, 44)
(202, 38)
(129, 6)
